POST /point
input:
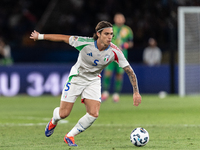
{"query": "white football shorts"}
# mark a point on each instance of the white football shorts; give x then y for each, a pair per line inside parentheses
(79, 86)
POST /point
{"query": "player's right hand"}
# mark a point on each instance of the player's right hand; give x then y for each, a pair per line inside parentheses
(34, 35)
(136, 99)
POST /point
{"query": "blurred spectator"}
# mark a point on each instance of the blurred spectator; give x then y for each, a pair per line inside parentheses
(152, 54)
(5, 53)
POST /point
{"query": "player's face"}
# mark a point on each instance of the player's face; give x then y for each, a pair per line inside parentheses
(106, 36)
(119, 19)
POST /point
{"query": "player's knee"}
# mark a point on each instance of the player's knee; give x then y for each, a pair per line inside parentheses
(94, 114)
(63, 115)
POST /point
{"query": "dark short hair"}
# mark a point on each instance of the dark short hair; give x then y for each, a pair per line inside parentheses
(101, 25)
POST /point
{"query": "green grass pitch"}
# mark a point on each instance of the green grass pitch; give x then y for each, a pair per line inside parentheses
(173, 123)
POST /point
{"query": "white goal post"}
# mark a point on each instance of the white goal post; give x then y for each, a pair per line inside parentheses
(188, 50)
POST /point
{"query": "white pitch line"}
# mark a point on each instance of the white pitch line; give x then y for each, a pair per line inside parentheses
(104, 125)
(147, 125)
(31, 124)
(29, 118)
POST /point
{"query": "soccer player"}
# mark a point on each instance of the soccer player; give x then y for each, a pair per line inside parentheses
(124, 40)
(84, 78)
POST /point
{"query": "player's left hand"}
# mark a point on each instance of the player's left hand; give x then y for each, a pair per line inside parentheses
(137, 99)
(34, 35)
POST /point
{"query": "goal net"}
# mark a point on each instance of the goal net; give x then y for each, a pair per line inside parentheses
(189, 50)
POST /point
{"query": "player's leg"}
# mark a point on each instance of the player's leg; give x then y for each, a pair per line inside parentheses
(91, 97)
(92, 113)
(69, 96)
(59, 113)
(119, 79)
(118, 83)
(107, 81)
(92, 109)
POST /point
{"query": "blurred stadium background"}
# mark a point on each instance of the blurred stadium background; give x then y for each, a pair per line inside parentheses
(42, 67)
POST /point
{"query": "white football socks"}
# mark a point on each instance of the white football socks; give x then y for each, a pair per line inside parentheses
(56, 116)
(83, 123)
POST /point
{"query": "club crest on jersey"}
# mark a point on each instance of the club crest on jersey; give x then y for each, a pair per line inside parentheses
(106, 58)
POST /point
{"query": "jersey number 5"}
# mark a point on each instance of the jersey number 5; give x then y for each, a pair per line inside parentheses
(95, 62)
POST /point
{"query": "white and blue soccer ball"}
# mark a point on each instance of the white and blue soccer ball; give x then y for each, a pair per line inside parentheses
(139, 137)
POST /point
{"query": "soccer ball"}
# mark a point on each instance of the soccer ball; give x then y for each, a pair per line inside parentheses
(139, 137)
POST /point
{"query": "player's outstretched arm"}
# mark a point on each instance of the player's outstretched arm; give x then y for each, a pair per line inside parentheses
(51, 37)
(133, 79)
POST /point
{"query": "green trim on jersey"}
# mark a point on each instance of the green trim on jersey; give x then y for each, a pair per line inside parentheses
(70, 78)
(85, 39)
(81, 47)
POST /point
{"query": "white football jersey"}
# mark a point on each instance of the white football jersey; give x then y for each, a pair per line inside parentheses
(91, 61)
